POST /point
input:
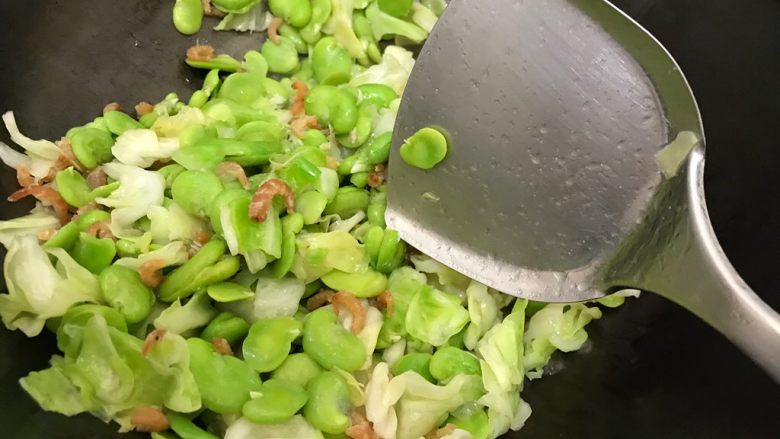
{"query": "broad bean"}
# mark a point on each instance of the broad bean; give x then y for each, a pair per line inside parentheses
(282, 57)
(424, 149)
(205, 268)
(447, 362)
(295, 12)
(119, 122)
(349, 200)
(278, 401)
(92, 146)
(269, 342)
(477, 424)
(329, 344)
(328, 404)
(93, 253)
(361, 284)
(320, 13)
(333, 106)
(225, 292)
(224, 381)
(194, 191)
(188, 16)
(228, 326)
(123, 290)
(297, 368)
(330, 62)
(418, 362)
(185, 428)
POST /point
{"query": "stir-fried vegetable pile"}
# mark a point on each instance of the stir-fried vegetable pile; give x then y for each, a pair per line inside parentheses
(222, 267)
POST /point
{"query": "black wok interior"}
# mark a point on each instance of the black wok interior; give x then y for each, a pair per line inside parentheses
(650, 370)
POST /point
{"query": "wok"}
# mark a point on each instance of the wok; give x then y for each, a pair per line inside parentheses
(650, 370)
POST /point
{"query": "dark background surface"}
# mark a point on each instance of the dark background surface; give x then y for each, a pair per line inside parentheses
(651, 370)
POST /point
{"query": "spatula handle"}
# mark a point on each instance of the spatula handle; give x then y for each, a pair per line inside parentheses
(696, 274)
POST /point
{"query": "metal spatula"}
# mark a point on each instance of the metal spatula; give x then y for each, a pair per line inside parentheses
(553, 189)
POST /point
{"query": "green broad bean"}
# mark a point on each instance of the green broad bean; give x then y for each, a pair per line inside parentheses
(373, 153)
(78, 315)
(378, 94)
(333, 106)
(225, 63)
(261, 131)
(359, 180)
(93, 216)
(198, 99)
(243, 87)
(206, 267)
(312, 288)
(73, 187)
(362, 284)
(305, 73)
(289, 32)
(104, 191)
(362, 131)
(185, 428)
(269, 342)
(372, 242)
(234, 6)
(349, 200)
(123, 290)
(329, 404)
(392, 252)
(224, 381)
(228, 326)
(225, 292)
(418, 362)
(277, 402)
(346, 165)
(330, 62)
(377, 205)
(281, 88)
(447, 362)
(211, 81)
(295, 12)
(255, 62)
(64, 238)
(194, 191)
(92, 253)
(297, 368)
(163, 435)
(424, 149)
(170, 172)
(329, 344)
(126, 249)
(148, 119)
(365, 35)
(282, 57)
(533, 307)
(457, 340)
(119, 122)
(315, 138)
(478, 424)
(311, 205)
(396, 8)
(320, 13)
(92, 146)
(291, 225)
(188, 16)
